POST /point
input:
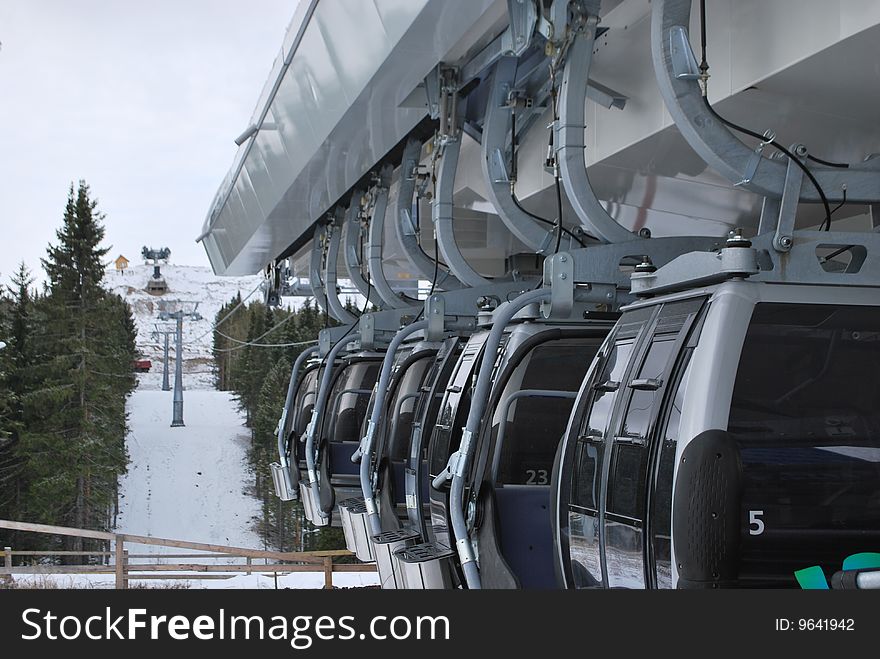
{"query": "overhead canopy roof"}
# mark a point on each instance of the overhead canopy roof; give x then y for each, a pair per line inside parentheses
(331, 110)
(342, 95)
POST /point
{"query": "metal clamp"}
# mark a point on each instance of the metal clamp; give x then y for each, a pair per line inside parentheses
(465, 551)
(755, 159)
(467, 438)
(370, 504)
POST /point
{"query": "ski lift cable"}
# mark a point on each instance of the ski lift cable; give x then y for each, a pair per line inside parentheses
(268, 345)
(254, 342)
(229, 315)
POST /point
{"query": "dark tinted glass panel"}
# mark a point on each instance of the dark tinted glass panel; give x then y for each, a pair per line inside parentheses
(588, 457)
(626, 494)
(631, 323)
(535, 425)
(629, 461)
(642, 401)
(402, 408)
(588, 461)
(351, 408)
(586, 568)
(806, 414)
(305, 401)
(662, 501)
(606, 388)
(673, 315)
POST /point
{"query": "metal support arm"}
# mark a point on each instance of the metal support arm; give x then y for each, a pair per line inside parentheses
(459, 463)
(496, 128)
(337, 309)
(405, 227)
(442, 216)
(315, 268)
(569, 139)
(351, 251)
(286, 416)
(318, 413)
(376, 241)
(368, 440)
(678, 80)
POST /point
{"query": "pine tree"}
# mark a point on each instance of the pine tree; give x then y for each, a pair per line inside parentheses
(254, 364)
(75, 441)
(16, 360)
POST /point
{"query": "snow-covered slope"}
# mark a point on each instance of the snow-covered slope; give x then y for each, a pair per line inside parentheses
(190, 483)
(186, 283)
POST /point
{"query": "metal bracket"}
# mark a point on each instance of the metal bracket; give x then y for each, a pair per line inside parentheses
(465, 551)
(467, 438)
(595, 276)
(325, 342)
(523, 21)
(559, 276)
(432, 92)
(684, 64)
(367, 328)
(435, 314)
(791, 194)
(448, 471)
(498, 167)
(752, 165)
(697, 269)
(370, 504)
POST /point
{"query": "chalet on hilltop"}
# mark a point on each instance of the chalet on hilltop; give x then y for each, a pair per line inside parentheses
(121, 263)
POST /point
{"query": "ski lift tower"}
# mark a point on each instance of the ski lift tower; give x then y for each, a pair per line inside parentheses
(178, 311)
(156, 285)
(165, 331)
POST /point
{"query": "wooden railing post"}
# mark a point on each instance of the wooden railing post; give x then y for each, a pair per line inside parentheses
(7, 562)
(125, 568)
(291, 562)
(119, 565)
(328, 572)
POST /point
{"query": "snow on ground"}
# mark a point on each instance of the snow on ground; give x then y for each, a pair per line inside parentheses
(263, 580)
(188, 284)
(189, 483)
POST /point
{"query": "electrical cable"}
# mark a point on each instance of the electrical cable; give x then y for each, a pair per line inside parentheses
(840, 205)
(436, 266)
(704, 67)
(419, 225)
(253, 342)
(816, 159)
(559, 210)
(554, 101)
(513, 176)
(229, 315)
(266, 345)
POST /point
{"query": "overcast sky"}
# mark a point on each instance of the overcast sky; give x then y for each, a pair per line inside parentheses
(141, 99)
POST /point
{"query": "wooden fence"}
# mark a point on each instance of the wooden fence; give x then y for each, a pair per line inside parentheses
(124, 569)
